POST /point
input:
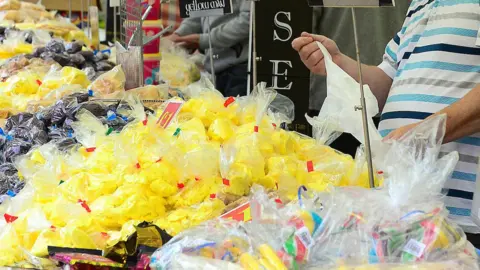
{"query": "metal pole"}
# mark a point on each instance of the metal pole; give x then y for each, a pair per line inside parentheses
(250, 45)
(211, 52)
(89, 20)
(363, 106)
(81, 15)
(70, 10)
(254, 46)
(115, 23)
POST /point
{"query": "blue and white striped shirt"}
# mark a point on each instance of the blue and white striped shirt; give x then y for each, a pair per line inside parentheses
(434, 62)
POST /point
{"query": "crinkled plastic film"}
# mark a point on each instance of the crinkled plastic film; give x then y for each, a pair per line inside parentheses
(88, 130)
(10, 5)
(217, 239)
(58, 27)
(14, 44)
(108, 83)
(343, 96)
(57, 78)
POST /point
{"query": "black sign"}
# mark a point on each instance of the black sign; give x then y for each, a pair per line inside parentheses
(204, 8)
(351, 3)
(281, 22)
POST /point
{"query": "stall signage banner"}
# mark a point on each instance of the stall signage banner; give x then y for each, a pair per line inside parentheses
(351, 3)
(282, 68)
(204, 8)
(172, 108)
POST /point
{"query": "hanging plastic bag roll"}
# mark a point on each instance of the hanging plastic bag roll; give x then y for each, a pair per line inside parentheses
(343, 96)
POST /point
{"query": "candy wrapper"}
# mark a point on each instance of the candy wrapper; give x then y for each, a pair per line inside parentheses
(144, 234)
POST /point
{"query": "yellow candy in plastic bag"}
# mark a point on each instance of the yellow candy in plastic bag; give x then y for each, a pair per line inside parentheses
(65, 237)
(181, 219)
(26, 83)
(176, 68)
(67, 75)
(221, 130)
(10, 249)
(277, 167)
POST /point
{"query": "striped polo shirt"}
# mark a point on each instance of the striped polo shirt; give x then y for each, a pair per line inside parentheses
(434, 62)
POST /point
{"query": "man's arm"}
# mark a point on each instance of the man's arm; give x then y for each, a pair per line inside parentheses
(230, 33)
(463, 118)
(376, 78)
(189, 26)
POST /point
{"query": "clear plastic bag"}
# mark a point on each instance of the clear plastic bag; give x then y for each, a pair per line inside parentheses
(405, 221)
(55, 79)
(58, 27)
(10, 5)
(108, 83)
(242, 158)
(89, 131)
(216, 239)
(14, 44)
(177, 69)
(343, 96)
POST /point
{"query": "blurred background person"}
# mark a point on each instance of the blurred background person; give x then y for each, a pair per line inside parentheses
(230, 39)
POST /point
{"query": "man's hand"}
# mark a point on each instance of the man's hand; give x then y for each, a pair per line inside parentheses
(174, 37)
(399, 132)
(191, 42)
(312, 56)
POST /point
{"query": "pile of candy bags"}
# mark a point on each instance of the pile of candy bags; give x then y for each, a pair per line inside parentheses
(20, 11)
(403, 225)
(40, 85)
(90, 195)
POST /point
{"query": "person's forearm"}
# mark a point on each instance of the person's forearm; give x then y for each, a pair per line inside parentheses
(463, 116)
(231, 33)
(373, 76)
(189, 26)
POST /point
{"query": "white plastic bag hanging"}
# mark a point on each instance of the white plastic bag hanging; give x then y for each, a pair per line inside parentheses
(343, 96)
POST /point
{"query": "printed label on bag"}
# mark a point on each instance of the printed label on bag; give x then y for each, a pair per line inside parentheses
(415, 248)
(171, 110)
(304, 235)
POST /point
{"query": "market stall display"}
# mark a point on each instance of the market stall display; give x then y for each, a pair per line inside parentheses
(93, 175)
(143, 172)
(29, 84)
(19, 12)
(401, 226)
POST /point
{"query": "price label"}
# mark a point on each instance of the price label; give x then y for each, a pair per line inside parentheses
(241, 213)
(171, 110)
(415, 248)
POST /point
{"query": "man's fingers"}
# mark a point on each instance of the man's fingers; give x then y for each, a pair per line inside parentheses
(319, 68)
(311, 51)
(319, 38)
(300, 42)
